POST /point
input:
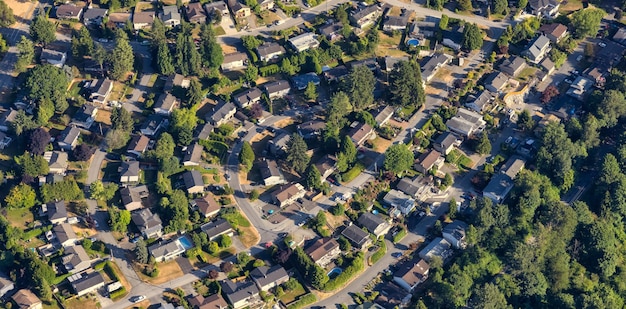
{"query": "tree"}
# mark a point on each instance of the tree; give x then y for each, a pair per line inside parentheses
(26, 54)
(99, 55)
(443, 22)
(164, 147)
(548, 94)
(42, 30)
(472, 37)
(483, 145)
(310, 93)
(525, 121)
(119, 219)
(521, 4)
(465, 5)
(226, 267)
(122, 57)
(312, 178)
(348, 149)
(611, 107)
(398, 158)
(175, 211)
(116, 139)
(6, 15)
(288, 68)
(225, 241)
(46, 82)
(251, 74)
(38, 140)
(195, 94)
(297, 153)
(21, 196)
(164, 60)
(141, 252)
(246, 156)
(210, 49)
(45, 111)
(32, 165)
(586, 21)
(499, 6)
(122, 119)
(489, 296)
(187, 58)
(558, 57)
(359, 85)
(100, 191)
(405, 84)
(243, 258)
(82, 43)
(338, 109)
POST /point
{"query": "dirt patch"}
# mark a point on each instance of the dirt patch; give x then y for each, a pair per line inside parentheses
(104, 116)
(283, 123)
(431, 90)
(144, 7)
(21, 8)
(250, 236)
(336, 221)
(167, 271)
(444, 75)
(227, 49)
(82, 302)
(395, 11)
(381, 144)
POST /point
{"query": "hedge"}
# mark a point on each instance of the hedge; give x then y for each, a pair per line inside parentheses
(302, 301)
(356, 265)
(379, 253)
(352, 173)
(100, 266)
(401, 233)
(117, 294)
(269, 70)
(108, 269)
(32, 234)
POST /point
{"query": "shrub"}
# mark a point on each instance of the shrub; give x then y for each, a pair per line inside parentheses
(401, 233)
(303, 301)
(117, 294)
(379, 253)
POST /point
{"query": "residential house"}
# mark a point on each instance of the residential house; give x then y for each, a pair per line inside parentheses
(193, 155)
(466, 122)
(203, 131)
(166, 251)
(6, 120)
(85, 117)
(118, 20)
(129, 172)
(176, 80)
(374, 224)
(360, 133)
(445, 143)
(579, 88)
(304, 41)
(390, 62)
(544, 8)
(25, 299)
(270, 51)
(411, 274)
(100, 90)
(57, 161)
(620, 36)
(217, 7)
(132, 197)
(94, 16)
(170, 16)
(69, 11)
(270, 173)
(234, 61)
(57, 212)
(267, 278)
(336, 74)
(193, 182)
(287, 195)
(241, 294)
(6, 285)
(65, 235)
(277, 89)
(429, 160)
(433, 64)
(214, 301)
(138, 145)
(75, 259)
(266, 5)
(395, 23)
(419, 187)
(278, 145)
(399, 202)
(501, 183)
(207, 205)
(454, 233)
(323, 251)
(68, 138)
(222, 113)
(365, 16)
(53, 57)
(513, 65)
(555, 32)
(217, 228)
(165, 104)
(547, 65)
(153, 124)
(5, 140)
(359, 238)
(478, 103)
(538, 49)
(195, 13)
(331, 31)
(302, 81)
(326, 165)
(370, 63)
(311, 129)
(239, 9)
(248, 97)
(496, 81)
(423, 30)
(84, 284)
(147, 223)
(383, 115)
(437, 247)
(142, 20)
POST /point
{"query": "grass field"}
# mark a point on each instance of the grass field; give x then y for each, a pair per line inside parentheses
(19, 217)
(237, 219)
(292, 295)
(167, 271)
(83, 303)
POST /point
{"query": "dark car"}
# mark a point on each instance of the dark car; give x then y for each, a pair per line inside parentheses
(396, 255)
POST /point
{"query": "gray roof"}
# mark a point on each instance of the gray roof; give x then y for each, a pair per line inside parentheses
(204, 130)
(383, 114)
(499, 186)
(8, 116)
(145, 219)
(88, 281)
(445, 139)
(217, 5)
(269, 168)
(64, 232)
(56, 210)
(236, 292)
(193, 153)
(265, 275)
(129, 169)
(270, 48)
(153, 122)
(163, 249)
(456, 228)
(56, 159)
(217, 227)
(390, 62)
(170, 12)
(235, 57)
(433, 63)
(513, 63)
(68, 11)
(355, 234)
(166, 101)
(408, 186)
(538, 4)
(513, 166)
(363, 11)
(437, 247)
(249, 95)
(303, 80)
(69, 135)
(74, 256)
(396, 198)
(397, 21)
(371, 221)
(222, 110)
(93, 13)
(276, 86)
(143, 17)
(483, 99)
(192, 179)
(336, 73)
(537, 45)
(330, 29)
(497, 80)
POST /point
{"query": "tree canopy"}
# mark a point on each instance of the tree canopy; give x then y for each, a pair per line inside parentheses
(359, 85)
(297, 153)
(398, 158)
(46, 82)
(6, 15)
(586, 21)
(472, 37)
(42, 30)
(405, 84)
(122, 58)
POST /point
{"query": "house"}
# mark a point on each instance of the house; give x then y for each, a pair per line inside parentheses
(248, 98)
(399, 201)
(359, 238)
(555, 32)
(57, 212)
(433, 64)
(138, 145)
(239, 9)
(68, 138)
(374, 224)
(195, 13)
(579, 88)
(270, 173)
(365, 16)
(25, 299)
(383, 115)
(411, 274)
(5, 140)
(620, 36)
(165, 104)
(203, 131)
(266, 5)
(193, 182)
(100, 90)
(218, 7)
(496, 81)
(429, 160)
(547, 65)
(336, 74)
(277, 89)
(304, 41)
(466, 122)
(390, 62)
(6, 120)
(234, 61)
(222, 113)
(326, 165)
(142, 20)
(53, 57)
(65, 234)
(267, 278)
(513, 65)
(69, 11)
(217, 228)
(6, 285)
(166, 251)
(445, 143)
(437, 247)
(241, 294)
(537, 50)
(75, 259)
(395, 23)
(454, 233)
(176, 80)
(544, 8)
(323, 251)
(132, 197)
(214, 301)
(278, 145)
(86, 283)
(270, 51)
(331, 31)
(129, 172)
(423, 30)
(311, 129)
(85, 117)
(193, 155)
(287, 195)
(302, 81)
(596, 74)
(207, 205)
(370, 63)
(94, 16)
(119, 19)
(501, 183)
(478, 103)
(153, 124)
(57, 161)
(147, 223)
(170, 16)
(361, 133)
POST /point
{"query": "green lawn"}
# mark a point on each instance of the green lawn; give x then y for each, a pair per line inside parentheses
(292, 295)
(237, 219)
(352, 173)
(458, 158)
(19, 217)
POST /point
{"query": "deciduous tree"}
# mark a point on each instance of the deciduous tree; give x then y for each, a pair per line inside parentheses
(586, 21)
(38, 140)
(46, 82)
(398, 158)
(21, 196)
(548, 94)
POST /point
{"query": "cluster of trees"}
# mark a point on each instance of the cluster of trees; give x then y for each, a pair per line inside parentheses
(122, 125)
(398, 159)
(246, 156)
(472, 37)
(184, 121)
(66, 190)
(406, 85)
(310, 60)
(174, 211)
(47, 86)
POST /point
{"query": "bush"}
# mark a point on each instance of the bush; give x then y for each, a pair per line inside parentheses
(269, 70)
(401, 233)
(355, 266)
(99, 266)
(352, 173)
(118, 294)
(379, 253)
(303, 301)
(108, 269)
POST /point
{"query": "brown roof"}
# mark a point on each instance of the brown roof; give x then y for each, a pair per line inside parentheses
(143, 17)
(288, 192)
(413, 273)
(235, 57)
(427, 159)
(68, 10)
(556, 29)
(207, 205)
(360, 131)
(25, 298)
(119, 17)
(138, 143)
(214, 301)
(320, 248)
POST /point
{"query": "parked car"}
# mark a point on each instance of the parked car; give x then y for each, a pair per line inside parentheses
(138, 298)
(396, 255)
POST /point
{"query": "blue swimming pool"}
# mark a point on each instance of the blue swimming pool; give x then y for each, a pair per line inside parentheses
(333, 273)
(412, 42)
(186, 242)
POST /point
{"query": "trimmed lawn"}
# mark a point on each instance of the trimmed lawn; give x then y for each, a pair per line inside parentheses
(352, 173)
(237, 219)
(19, 217)
(292, 295)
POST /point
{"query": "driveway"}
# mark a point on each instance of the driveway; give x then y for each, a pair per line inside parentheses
(185, 265)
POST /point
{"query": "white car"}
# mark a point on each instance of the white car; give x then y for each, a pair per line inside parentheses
(138, 298)
(602, 44)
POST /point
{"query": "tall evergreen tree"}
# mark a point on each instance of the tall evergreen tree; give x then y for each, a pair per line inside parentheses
(164, 59)
(122, 57)
(82, 43)
(42, 30)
